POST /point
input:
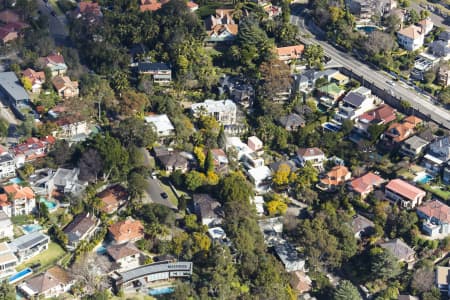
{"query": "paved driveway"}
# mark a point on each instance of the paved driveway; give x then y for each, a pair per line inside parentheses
(154, 191)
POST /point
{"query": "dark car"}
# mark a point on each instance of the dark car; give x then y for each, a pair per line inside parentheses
(164, 195)
(53, 13)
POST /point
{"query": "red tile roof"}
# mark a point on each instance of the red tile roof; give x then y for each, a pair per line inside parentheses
(366, 183)
(336, 176)
(16, 192)
(128, 230)
(306, 152)
(89, 7)
(404, 189)
(33, 75)
(382, 114)
(436, 209)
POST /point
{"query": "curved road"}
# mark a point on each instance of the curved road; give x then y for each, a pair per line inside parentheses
(438, 114)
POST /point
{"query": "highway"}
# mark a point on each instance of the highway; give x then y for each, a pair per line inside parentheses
(438, 114)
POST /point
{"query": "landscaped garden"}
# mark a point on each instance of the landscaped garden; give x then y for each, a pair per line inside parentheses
(47, 258)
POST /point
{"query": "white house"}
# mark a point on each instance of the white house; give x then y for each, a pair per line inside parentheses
(161, 124)
(407, 195)
(442, 279)
(7, 164)
(411, 38)
(315, 156)
(224, 111)
(355, 103)
(29, 245)
(8, 261)
(260, 177)
(437, 155)
(126, 255)
(436, 218)
(17, 200)
(6, 226)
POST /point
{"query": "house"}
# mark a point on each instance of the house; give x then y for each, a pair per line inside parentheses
(291, 122)
(400, 250)
(81, 228)
(289, 257)
(407, 297)
(332, 92)
(9, 16)
(17, 200)
(411, 38)
(413, 146)
(37, 79)
(218, 235)
(423, 63)
(398, 132)
(88, 10)
(56, 64)
(32, 149)
(354, 104)
(159, 271)
(72, 129)
(150, 5)
(208, 210)
(161, 124)
(335, 177)
(300, 282)
(271, 228)
(443, 77)
(49, 284)
(8, 261)
(437, 155)
(381, 115)
(339, 78)
(6, 226)
(235, 143)
(426, 25)
(407, 195)
(224, 111)
(221, 27)
(252, 160)
(442, 279)
(29, 245)
(315, 156)
(126, 231)
(65, 87)
(13, 93)
(220, 160)
(366, 9)
(7, 164)
(112, 198)
(126, 256)
(291, 53)
(160, 72)
(11, 31)
(254, 143)
(365, 184)
(446, 174)
(361, 226)
(261, 178)
(173, 161)
(436, 218)
(66, 181)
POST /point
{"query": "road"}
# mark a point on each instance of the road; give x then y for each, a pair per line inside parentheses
(437, 20)
(438, 114)
(154, 191)
(57, 24)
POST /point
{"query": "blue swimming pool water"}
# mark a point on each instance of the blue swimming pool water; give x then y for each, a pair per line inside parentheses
(29, 228)
(423, 178)
(20, 275)
(50, 205)
(16, 180)
(161, 291)
(331, 127)
(101, 250)
(367, 29)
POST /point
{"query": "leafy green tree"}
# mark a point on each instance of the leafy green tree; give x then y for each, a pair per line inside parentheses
(235, 188)
(444, 95)
(413, 17)
(383, 264)
(313, 55)
(346, 291)
(194, 180)
(430, 75)
(136, 185)
(134, 131)
(7, 291)
(375, 131)
(209, 162)
(3, 128)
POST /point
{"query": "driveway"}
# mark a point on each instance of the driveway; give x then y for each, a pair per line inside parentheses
(154, 191)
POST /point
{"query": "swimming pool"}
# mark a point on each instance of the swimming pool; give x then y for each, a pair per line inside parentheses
(331, 127)
(50, 205)
(101, 250)
(423, 178)
(19, 275)
(161, 291)
(367, 29)
(29, 228)
(16, 180)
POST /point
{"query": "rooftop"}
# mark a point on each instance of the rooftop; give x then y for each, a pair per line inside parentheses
(399, 249)
(155, 268)
(309, 152)
(211, 106)
(412, 32)
(51, 278)
(360, 223)
(10, 82)
(161, 122)
(436, 209)
(404, 189)
(28, 240)
(81, 224)
(127, 230)
(366, 182)
(118, 252)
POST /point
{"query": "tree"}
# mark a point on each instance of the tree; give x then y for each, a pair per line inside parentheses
(58, 236)
(276, 206)
(7, 291)
(383, 265)
(313, 55)
(444, 95)
(200, 155)
(276, 78)
(375, 131)
(283, 175)
(235, 188)
(379, 42)
(61, 152)
(132, 102)
(430, 75)
(209, 162)
(134, 131)
(392, 23)
(4, 126)
(194, 180)
(423, 279)
(26, 82)
(90, 165)
(413, 17)
(346, 291)
(136, 185)
(90, 270)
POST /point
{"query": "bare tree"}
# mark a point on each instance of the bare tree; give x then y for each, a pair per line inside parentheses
(90, 271)
(379, 42)
(423, 279)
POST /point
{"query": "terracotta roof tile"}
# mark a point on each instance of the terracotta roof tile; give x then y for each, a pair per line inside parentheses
(404, 189)
(128, 230)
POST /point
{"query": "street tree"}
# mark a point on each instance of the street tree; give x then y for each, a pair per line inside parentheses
(313, 55)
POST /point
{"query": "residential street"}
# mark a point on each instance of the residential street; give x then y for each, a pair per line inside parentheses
(439, 114)
(57, 24)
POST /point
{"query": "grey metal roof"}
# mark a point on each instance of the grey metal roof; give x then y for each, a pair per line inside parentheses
(416, 142)
(355, 99)
(159, 267)
(28, 241)
(11, 84)
(152, 67)
(6, 157)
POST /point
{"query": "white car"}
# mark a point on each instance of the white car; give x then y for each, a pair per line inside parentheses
(390, 82)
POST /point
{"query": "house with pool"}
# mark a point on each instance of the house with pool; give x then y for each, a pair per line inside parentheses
(437, 155)
(8, 261)
(29, 245)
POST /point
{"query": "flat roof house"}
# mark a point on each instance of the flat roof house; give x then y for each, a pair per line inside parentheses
(437, 155)
(51, 283)
(289, 257)
(224, 111)
(407, 195)
(81, 228)
(12, 93)
(126, 231)
(355, 103)
(365, 184)
(29, 245)
(161, 124)
(8, 261)
(436, 218)
(413, 146)
(7, 164)
(160, 72)
(442, 279)
(260, 177)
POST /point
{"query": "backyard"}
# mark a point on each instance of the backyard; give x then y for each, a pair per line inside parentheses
(46, 258)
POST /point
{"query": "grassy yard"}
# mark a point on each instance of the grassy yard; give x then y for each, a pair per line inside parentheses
(445, 195)
(166, 188)
(46, 258)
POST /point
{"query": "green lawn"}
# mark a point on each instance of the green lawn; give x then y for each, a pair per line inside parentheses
(445, 195)
(46, 258)
(168, 190)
